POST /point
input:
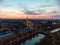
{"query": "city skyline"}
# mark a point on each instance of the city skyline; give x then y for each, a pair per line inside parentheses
(34, 9)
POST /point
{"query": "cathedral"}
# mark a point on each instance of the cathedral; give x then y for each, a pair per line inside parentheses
(28, 23)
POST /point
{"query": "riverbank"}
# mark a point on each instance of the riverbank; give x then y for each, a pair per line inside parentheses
(52, 39)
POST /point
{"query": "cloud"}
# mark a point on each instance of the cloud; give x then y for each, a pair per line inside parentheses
(41, 10)
(55, 16)
(9, 9)
(33, 13)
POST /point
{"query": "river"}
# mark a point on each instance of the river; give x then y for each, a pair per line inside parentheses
(33, 40)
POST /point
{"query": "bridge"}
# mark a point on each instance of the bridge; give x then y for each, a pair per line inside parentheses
(55, 30)
(49, 32)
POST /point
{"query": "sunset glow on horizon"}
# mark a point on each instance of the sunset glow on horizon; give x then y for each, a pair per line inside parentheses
(38, 9)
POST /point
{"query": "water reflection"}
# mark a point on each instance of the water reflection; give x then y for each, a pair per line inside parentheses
(33, 40)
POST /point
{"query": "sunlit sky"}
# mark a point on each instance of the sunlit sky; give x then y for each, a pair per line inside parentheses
(34, 9)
